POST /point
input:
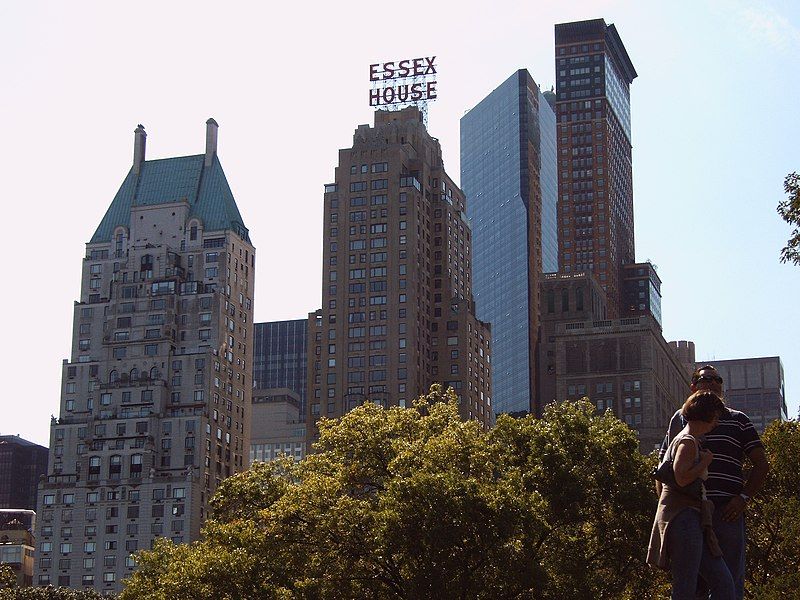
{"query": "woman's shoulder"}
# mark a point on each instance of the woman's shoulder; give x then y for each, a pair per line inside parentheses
(685, 437)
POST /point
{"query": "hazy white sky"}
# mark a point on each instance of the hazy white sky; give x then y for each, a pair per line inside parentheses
(715, 130)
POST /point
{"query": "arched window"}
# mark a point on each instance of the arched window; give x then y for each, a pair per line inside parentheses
(154, 373)
(579, 299)
(564, 300)
(113, 377)
(194, 228)
(134, 374)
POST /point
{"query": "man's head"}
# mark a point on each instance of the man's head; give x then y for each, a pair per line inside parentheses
(706, 378)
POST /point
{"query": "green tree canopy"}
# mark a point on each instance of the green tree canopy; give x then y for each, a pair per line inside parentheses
(8, 578)
(48, 593)
(415, 503)
(773, 550)
(789, 210)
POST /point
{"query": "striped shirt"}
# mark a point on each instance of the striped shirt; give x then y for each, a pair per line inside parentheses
(730, 442)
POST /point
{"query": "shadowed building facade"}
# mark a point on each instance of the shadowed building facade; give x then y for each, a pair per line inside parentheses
(21, 464)
(155, 397)
(754, 386)
(398, 313)
(595, 207)
(509, 175)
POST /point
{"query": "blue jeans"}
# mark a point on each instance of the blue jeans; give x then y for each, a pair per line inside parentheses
(732, 540)
(690, 557)
(731, 536)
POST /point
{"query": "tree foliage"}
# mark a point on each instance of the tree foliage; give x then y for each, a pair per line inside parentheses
(48, 593)
(8, 578)
(773, 550)
(789, 210)
(416, 503)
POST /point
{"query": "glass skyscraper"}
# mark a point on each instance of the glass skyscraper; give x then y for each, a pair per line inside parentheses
(279, 357)
(509, 175)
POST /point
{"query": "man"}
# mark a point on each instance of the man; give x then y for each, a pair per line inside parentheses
(732, 440)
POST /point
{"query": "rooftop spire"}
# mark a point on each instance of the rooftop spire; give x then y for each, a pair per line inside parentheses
(139, 143)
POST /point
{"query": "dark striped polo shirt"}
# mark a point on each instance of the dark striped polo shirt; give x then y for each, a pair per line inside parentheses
(730, 442)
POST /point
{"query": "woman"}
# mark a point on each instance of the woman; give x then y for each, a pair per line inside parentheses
(682, 540)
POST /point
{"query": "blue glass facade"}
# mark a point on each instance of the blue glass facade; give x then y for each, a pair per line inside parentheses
(548, 182)
(279, 357)
(508, 164)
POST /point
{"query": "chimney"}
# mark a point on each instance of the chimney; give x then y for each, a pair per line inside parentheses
(211, 141)
(139, 143)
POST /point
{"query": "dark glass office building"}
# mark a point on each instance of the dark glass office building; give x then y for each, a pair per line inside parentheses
(509, 175)
(641, 291)
(21, 464)
(279, 359)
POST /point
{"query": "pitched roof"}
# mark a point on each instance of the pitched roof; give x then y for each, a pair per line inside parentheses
(174, 180)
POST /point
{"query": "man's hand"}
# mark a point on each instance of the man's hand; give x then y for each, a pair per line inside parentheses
(733, 509)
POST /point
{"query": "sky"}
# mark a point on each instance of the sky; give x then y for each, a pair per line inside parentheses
(715, 131)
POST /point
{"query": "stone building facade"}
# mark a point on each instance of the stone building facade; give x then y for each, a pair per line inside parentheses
(276, 425)
(622, 365)
(155, 397)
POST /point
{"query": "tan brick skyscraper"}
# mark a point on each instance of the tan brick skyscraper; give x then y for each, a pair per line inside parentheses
(595, 173)
(397, 312)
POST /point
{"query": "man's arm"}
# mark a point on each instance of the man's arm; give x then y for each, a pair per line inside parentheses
(758, 474)
(755, 479)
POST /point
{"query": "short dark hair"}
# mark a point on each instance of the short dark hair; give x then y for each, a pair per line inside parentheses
(702, 406)
(698, 370)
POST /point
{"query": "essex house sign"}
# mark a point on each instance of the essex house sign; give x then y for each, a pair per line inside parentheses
(394, 83)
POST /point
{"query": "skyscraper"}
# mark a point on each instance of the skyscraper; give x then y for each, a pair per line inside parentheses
(595, 202)
(279, 357)
(397, 311)
(509, 175)
(21, 464)
(641, 291)
(155, 396)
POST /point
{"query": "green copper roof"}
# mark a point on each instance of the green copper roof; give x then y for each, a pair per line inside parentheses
(173, 180)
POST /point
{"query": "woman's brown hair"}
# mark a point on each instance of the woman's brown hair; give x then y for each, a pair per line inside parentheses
(702, 406)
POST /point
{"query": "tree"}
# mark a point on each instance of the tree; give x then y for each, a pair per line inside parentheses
(8, 578)
(789, 210)
(48, 593)
(416, 503)
(773, 545)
